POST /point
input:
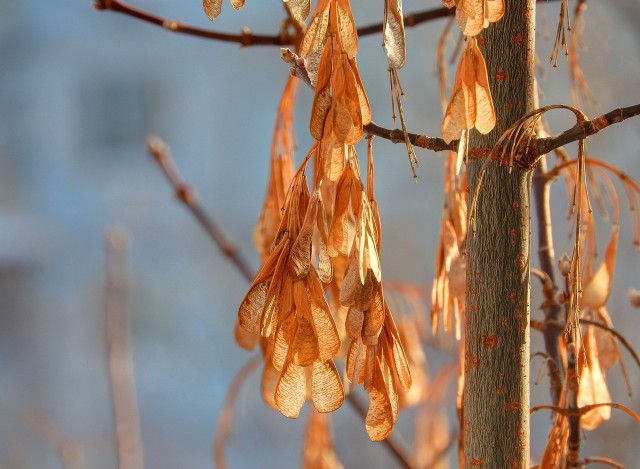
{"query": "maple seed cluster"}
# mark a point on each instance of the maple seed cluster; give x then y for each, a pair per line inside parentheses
(471, 104)
(325, 239)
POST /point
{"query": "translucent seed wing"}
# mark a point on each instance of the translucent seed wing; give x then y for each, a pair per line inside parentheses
(393, 34)
(212, 8)
(299, 9)
(291, 390)
(326, 388)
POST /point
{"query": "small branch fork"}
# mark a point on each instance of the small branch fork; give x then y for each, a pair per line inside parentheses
(185, 194)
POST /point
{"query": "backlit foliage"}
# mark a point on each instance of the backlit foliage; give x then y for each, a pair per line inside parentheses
(327, 239)
(318, 298)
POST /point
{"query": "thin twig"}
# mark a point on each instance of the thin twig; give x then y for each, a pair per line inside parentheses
(247, 38)
(186, 195)
(566, 412)
(422, 141)
(605, 461)
(118, 332)
(435, 461)
(585, 129)
(225, 420)
(546, 256)
(619, 336)
(70, 452)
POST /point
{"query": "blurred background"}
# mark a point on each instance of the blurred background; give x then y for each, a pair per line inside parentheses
(80, 90)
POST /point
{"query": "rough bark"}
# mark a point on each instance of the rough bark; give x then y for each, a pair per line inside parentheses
(496, 405)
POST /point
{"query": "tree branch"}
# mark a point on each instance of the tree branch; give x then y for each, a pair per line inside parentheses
(585, 129)
(418, 140)
(246, 38)
(186, 195)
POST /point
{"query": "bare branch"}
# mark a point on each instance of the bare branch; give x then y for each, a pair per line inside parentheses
(585, 129)
(119, 351)
(422, 141)
(188, 197)
(568, 412)
(246, 38)
(225, 420)
(601, 460)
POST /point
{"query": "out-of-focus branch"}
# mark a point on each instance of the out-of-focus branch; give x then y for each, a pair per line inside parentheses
(618, 336)
(186, 195)
(225, 420)
(70, 452)
(566, 412)
(120, 357)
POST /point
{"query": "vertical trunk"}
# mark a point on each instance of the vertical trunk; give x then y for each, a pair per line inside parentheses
(496, 405)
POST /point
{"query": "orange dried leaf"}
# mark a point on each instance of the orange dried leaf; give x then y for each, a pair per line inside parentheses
(397, 356)
(305, 344)
(374, 318)
(356, 358)
(315, 36)
(596, 291)
(326, 388)
(268, 383)
(608, 352)
(250, 312)
(299, 9)
(475, 15)
(353, 293)
(246, 340)
(393, 34)
(346, 28)
(321, 96)
(471, 104)
(634, 298)
(325, 269)
(323, 324)
(237, 4)
(300, 256)
(291, 390)
(593, 386)
(283, 337)
(353, 322)
(379, 421)
(365, 110)
(212, 8)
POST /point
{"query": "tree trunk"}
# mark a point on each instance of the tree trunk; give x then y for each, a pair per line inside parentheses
(496, 403)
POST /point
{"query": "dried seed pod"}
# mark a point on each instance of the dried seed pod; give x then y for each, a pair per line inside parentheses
(471, 104)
